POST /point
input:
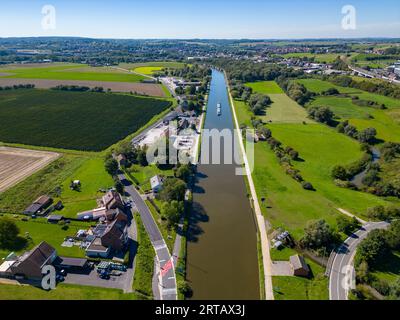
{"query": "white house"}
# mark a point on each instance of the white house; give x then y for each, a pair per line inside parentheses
(156, 183)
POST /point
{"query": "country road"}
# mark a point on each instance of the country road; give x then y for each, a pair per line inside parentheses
(343, 258)
(167, 280)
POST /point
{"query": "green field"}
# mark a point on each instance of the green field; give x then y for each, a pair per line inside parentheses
(317, 86)
(93, 177)
(40, 230)
(45, 181)
(73, 120)
(141, 175)
(389, 267)
(70, 72)
(63, 292)
(148, 71)
(287, 204)
(323, 57)
(265, 87)
(343, 107)
(297, 288)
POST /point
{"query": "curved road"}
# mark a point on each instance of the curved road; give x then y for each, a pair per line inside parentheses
(343, 258)
(167, 280)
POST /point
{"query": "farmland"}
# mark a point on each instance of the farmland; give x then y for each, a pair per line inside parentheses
(323, 57)
(147, 70)
(73, 120)
(70, 72)
(265, 87)
(17, 164)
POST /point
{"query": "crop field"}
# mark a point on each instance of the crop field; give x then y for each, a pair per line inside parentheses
(149, 89)
(265, 87)
(148, 70)
(73, 120)
(69, 72)
(17, 164)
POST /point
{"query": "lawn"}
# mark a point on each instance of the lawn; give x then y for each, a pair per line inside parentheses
(71, 72)
(142, 175)
(265, 87)
(63, 292)
(73, 120)
(297, 288)
(285, 110)
(93, 177)
(317, 86)
(45, 181)
(40, 230)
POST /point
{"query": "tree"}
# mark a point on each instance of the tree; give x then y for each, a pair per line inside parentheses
(367, 135)
(119, 187)
(184, 172)
(8, 233)
(395, 290)
(184, 288)
(172, 212)
(318, 234)
(393, 235)
(347, 225)
(339, 172)
(111, 166)
(173, 189)
(372, 248)
(321, 114)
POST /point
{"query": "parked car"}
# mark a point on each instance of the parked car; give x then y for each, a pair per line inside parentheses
(104, 275)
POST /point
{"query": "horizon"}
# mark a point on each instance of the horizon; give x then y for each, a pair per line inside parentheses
(253, 19)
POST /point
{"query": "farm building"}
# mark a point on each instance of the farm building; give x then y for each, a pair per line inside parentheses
(30, 264)
(112, 200)
(38, 205)
(71, 264)
(299, 266)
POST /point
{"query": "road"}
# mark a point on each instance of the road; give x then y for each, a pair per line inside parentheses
(343, 258)
(166, 276)
(370, 74)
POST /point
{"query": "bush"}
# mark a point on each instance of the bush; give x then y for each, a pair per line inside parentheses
(318, 235)
(339, 172)
(347, 225)
(307, 185)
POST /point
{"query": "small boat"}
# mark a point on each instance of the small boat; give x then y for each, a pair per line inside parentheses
(218, 109)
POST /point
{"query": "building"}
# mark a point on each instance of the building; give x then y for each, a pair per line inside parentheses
(122, 161)
(299, 266)
(112, 200)
(156, 183)
(109, 237)
(71, 264)
(30, 264)
(38, 205)
(54, 218)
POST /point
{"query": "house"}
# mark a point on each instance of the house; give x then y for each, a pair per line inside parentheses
(112, 200)
(38, 205)
(30, 264)
(156, 183)
(299, 266)
(109, 237)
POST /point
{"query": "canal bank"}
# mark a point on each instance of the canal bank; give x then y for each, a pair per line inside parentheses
(222, 237)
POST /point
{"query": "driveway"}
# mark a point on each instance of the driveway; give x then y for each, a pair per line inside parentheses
(92, 279)
(343, 258)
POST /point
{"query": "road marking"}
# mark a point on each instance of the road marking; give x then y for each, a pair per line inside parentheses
(166, 268)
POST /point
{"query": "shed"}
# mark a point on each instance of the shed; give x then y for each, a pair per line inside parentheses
(299, 266)
(71, 263)
(55, 218)
(156, 183)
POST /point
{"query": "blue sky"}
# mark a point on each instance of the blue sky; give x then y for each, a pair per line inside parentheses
(201, 18)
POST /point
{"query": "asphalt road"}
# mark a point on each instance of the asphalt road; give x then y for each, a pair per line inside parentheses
(165, 265)
(344, 258)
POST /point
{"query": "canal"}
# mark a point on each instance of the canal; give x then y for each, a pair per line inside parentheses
(222, 241)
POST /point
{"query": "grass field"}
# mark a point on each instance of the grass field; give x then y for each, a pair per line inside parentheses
(142, 175)
(70, 72)
(316, 85)
(265, 87)
(63, 292)
(287, 204)
(93, 177)
(343, 107)
(40, 230)
(73, 120)
(297, 288)
(323, 57)
(162, 64)
(45, 181)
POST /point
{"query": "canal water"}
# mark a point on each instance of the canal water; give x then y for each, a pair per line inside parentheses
(222, 241)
